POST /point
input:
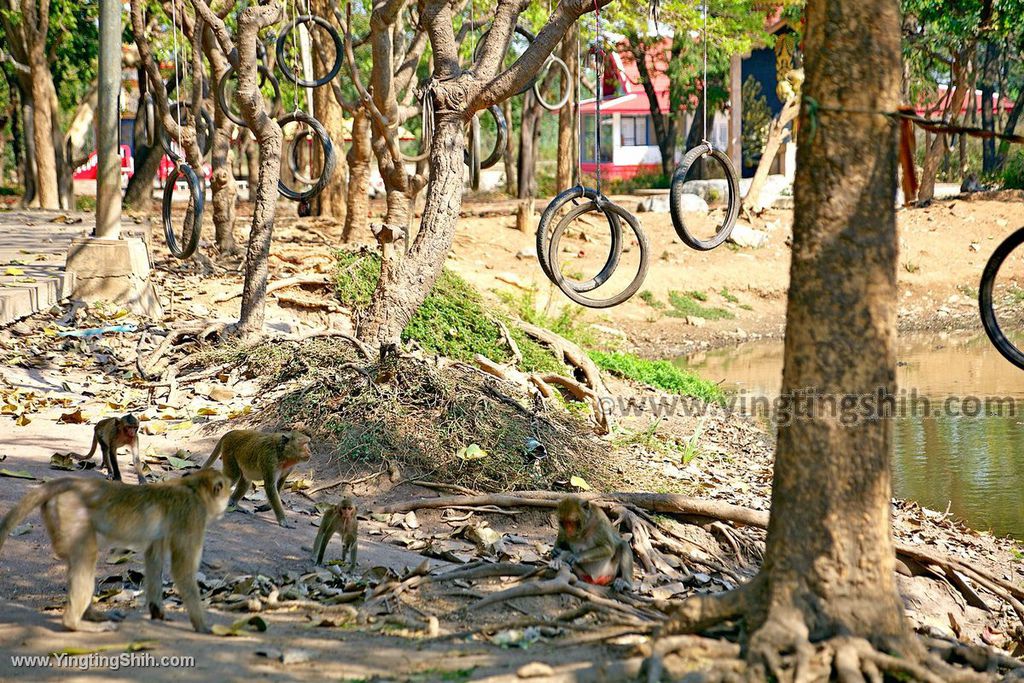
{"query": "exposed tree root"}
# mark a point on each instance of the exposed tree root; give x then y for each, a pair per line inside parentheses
(572, 354)
(296, 281)
(320, 334)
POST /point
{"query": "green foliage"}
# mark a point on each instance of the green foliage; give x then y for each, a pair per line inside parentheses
(567, 322)
(729, 296)
(647, 296)
(756, 119)
(1013, 170)
(657, 373)
(641, 181)
(683, 305)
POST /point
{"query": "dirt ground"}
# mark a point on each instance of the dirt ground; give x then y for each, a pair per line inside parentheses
(938, 262)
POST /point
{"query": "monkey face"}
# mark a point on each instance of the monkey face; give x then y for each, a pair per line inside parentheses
(571, 524)
(300, 445)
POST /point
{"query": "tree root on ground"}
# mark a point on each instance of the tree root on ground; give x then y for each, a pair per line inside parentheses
(297, 281)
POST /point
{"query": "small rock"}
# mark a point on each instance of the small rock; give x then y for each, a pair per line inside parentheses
(20, 329)
(975, 246)
(695, 320)
(221, 394)
(527, 253)
(741, 333)
(691, 203)
(1001, 222)
(954, 299)
(654, 204)
(745, 236)
(535, 670)
(609, 330)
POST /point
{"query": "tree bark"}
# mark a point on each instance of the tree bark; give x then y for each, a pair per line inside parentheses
(331, 201)
(526, 163)
(357, 217)
(36, 19)
(1010, 128)
(568, 142)
(508, 157)
(829, 567)
(664, 124)
(777, 134)
(988, 91)
(829, 553)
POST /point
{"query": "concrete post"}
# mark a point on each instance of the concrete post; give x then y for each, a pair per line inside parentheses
(108, 123)
(109, 266)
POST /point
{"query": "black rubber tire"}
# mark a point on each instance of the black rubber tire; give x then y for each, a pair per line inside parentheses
(608, 208)
(282, 63)
(198, 192)
(500, 142)
(205, 136)
(988, 314)
(426, 130)
(145, 121)
(329, 158)
(676, 197)
(543, 75)
(614, 226)
(222, 92)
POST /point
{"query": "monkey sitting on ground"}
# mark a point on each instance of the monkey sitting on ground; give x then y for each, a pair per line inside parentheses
(341, 520)
(589, 543)
(110, 434)
(161, 518)
(251, 456)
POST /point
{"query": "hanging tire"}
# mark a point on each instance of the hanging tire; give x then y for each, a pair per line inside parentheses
(329, 158)
(222, 92)
(198, 192)
(282, 63)
(543, 238)
(986, 307)
(608, 208)
(500, 141)
(676, 197)
(204, 135)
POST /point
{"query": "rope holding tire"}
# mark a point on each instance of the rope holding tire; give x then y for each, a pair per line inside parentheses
(986, 306)
(676, 197)
(330, 160)
(282, 63)
(198, 201)
(474, 153)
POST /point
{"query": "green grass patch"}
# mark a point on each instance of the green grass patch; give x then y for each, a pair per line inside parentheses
(685, 304)
(729, 296)
(657, 373)
(647, 296)
(697, 296)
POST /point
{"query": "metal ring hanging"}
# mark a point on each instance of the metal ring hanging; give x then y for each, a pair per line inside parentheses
(500, 142)
(203, 135)
(293, 158)
(195, 188)
(605, 206)
(329, 158)
(614, 227)
(995, 333)
(222, 92)
(282, 63)
(145, 120)
(552, 60)
(525, 33)
(676, 197)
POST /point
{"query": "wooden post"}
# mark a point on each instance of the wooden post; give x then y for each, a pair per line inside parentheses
(735, 149)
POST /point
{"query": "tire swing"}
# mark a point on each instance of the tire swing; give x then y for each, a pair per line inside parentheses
(312, 125)
(196, 188)
(549, 239)
(542, 75)
(145, 115)
(704, 150)
(472, 153)
(222, 92)
(1007, 348)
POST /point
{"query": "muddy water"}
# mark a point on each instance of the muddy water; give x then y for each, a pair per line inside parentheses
(972, 465)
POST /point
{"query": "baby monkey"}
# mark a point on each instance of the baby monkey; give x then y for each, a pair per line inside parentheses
(251, 456)
(110, 434)
(341, 520)
(589, 543)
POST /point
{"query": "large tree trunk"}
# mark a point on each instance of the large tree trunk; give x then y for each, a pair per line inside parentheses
(777, 134)
(331, 201)
(664, 124)
(829, 568)
(404, 283)
(42, 129)
(139, 193)
(988, 91)
(526, 167)
(28, 161)
(1011, 125)
(357, 217)
(568, 145)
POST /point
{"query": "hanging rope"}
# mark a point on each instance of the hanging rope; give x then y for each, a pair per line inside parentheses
(704, 83)
(599, 64)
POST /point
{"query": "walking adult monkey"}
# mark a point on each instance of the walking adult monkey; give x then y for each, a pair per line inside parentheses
(110, 434)
(161, 518)
(251, 456)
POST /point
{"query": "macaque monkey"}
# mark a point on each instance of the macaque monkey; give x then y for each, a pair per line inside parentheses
(269, 457)
(167, 517)
(110, 434)
(589, 543)
(341, 520)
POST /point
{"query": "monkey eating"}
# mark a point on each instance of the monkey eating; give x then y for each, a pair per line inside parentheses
(341, 520)
(589, 543)
(110, 434)
(168, 517)
(250, 456)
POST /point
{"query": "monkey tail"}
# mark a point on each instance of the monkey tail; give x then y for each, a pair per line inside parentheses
(31, 501)
(88, 456)
(213, 456)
